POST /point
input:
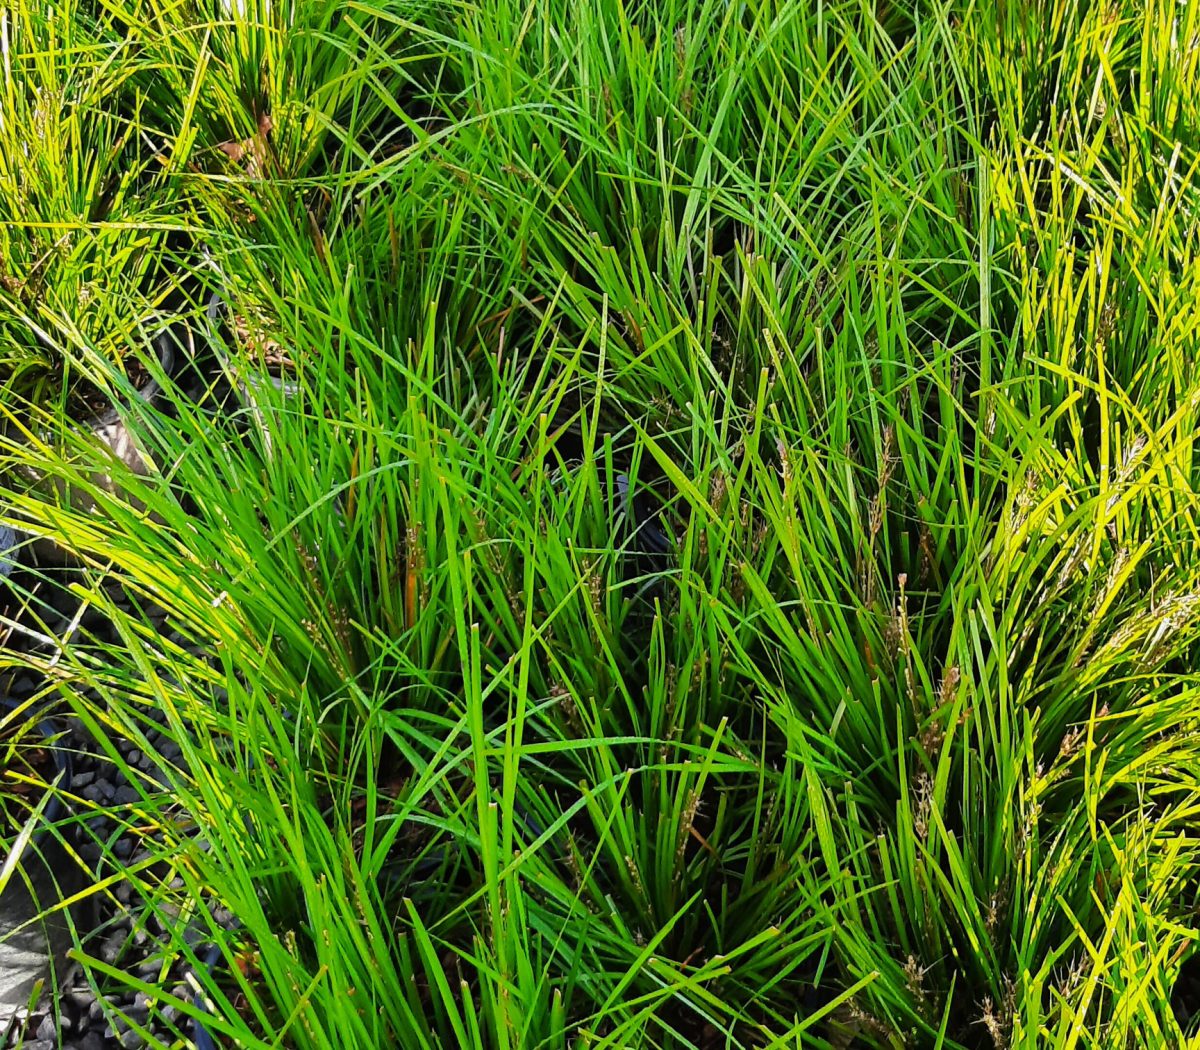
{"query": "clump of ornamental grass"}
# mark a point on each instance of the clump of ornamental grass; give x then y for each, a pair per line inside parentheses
(687, 537)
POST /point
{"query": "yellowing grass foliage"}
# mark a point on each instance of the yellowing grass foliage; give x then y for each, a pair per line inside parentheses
(722, 567)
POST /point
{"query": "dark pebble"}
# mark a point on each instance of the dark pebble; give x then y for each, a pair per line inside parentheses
(68, 1015)
(194, 934)
(80, 1021)
(100, 792)
(91, 852)
(159, 775)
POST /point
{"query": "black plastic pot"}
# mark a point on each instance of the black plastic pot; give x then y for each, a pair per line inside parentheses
(8, 552)
(47, 875)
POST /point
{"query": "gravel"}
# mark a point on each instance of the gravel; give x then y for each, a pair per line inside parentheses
(123, 935)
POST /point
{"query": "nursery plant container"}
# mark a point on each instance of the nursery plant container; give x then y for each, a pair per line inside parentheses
(8, 552)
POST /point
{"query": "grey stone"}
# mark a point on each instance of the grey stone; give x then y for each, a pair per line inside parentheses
(159, 775)
(68, 1017)
(194, 934)
(127, 796)
(33, 949)
(81, 999)
(99, 793)
(110, 950)
(91, 852)
(47, 1030)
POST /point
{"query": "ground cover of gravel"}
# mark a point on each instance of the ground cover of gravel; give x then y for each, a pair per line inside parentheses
(115, 925)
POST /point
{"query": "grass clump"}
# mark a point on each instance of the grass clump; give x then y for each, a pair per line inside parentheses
(684, 533)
